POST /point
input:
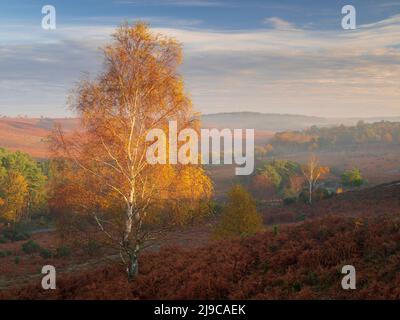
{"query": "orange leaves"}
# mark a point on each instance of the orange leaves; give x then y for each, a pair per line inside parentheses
(324, 170)
(108, 177)
(15, 189)
(292, 137)
(313, 172)
(192, 183)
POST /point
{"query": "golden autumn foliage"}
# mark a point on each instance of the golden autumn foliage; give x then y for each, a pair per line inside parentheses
(107, 176)
(15, 190)
(239, 217)
(22, 187)
(186, 195)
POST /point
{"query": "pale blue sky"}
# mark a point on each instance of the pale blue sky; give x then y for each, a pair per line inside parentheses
(266, 56)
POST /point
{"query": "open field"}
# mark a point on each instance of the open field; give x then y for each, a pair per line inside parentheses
(301, 260)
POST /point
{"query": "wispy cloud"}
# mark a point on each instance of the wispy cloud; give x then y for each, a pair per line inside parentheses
(279, 68)
(279, 23)
(153, 20)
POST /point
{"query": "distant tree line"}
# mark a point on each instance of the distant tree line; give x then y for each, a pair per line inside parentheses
(317, 138)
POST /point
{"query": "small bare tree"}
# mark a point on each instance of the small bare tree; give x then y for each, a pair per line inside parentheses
(312, 172)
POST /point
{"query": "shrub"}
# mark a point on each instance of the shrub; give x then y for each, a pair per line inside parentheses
(30, 247)
(2, 239)
(92, 247)
(62, 252)
(46, 253)
(275, 230)
(4, 254)
(300, 217)
(239, 217)
(17, 260)
(353, 178)
(14, 235)
(19, 236)
(290, 200)
(296, 287)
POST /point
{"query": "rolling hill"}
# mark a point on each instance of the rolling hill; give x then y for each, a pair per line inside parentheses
(30, 134)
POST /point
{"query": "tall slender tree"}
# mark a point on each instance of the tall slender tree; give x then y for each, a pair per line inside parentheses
(139, 90)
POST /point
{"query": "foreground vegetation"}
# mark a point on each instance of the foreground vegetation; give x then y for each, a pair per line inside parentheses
(292, 261)
(301, 262)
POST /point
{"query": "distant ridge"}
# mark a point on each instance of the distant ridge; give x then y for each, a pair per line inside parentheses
(261, 121)
(278, 122)
(30, 134)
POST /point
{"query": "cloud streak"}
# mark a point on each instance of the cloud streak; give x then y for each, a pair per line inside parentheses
(277, 68)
